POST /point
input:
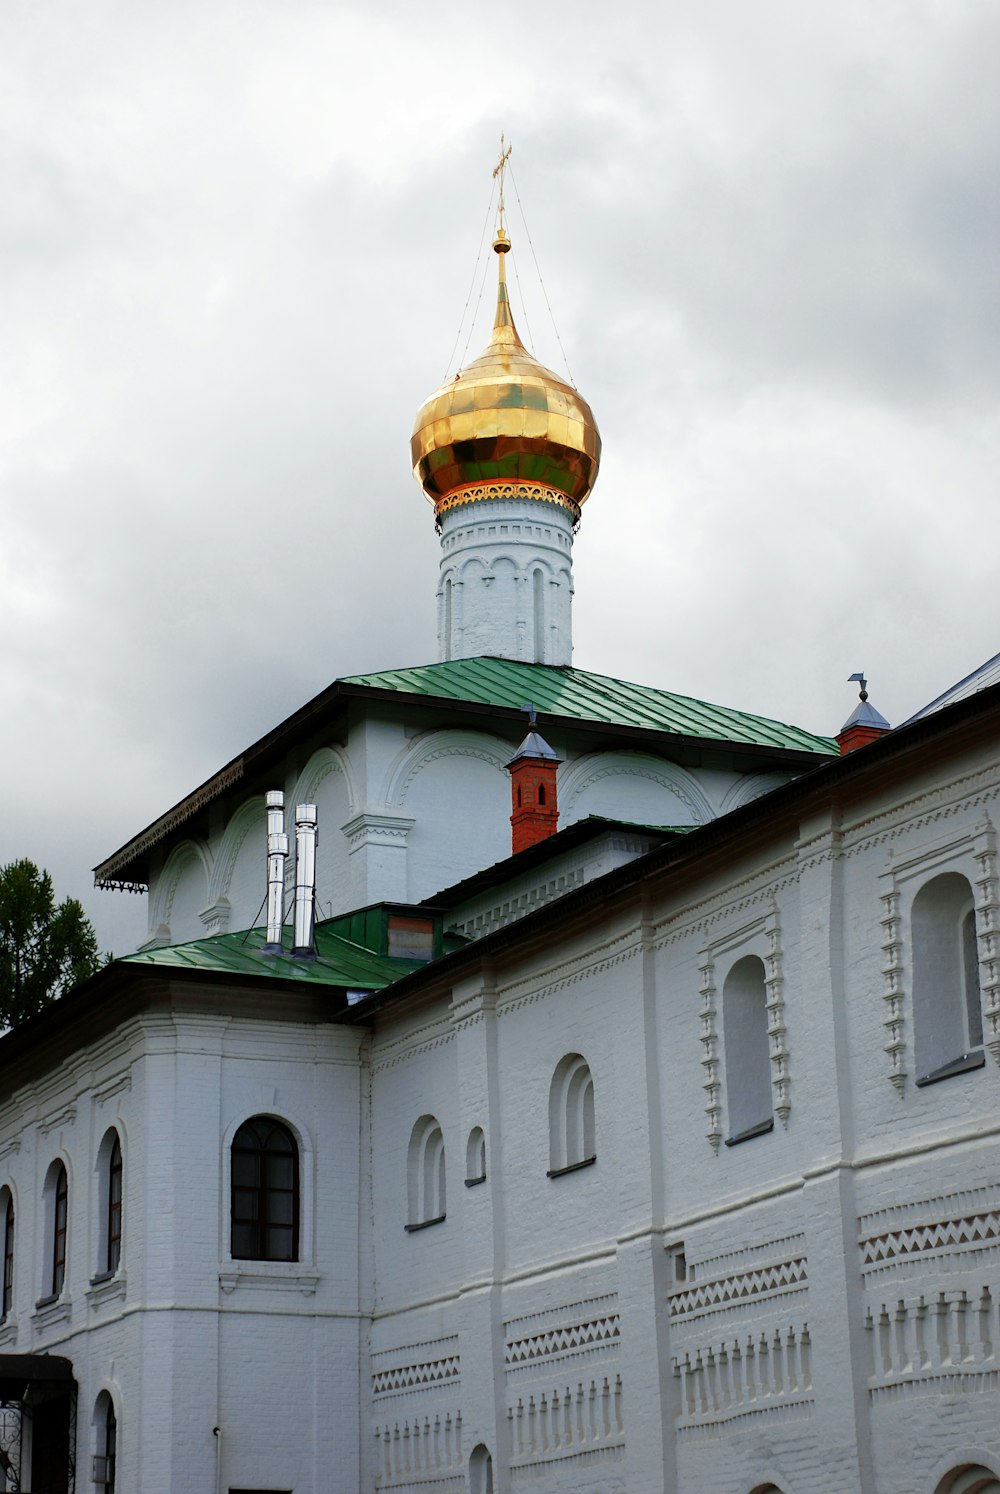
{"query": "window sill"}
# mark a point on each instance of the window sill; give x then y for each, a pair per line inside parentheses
(50, 1310)
(105, 1287)
(560, 1172)
(8, 1330)
(276, 1276)
(474, 1182)
(760, 1129)
(962, 1065)
(411, 1229)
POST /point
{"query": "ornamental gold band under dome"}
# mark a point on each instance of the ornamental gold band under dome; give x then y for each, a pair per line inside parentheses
(505, 427)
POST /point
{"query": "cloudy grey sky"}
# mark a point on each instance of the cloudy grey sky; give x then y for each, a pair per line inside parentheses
(236, 239)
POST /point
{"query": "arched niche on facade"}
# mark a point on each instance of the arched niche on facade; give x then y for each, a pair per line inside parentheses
(327, 782)
(181, 893)
(633, 786)
(239, 870)
(749, 787)
(454, 785)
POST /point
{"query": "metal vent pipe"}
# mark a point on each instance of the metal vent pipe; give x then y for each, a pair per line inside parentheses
(304, 947)
(277, 851)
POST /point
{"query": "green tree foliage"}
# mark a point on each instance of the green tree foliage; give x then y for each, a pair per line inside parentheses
(45, 949)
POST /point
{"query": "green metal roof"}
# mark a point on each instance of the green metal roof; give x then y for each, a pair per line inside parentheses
(597, 698)
(338, 962)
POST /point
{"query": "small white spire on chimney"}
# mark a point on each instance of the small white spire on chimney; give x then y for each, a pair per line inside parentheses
(304, 947)
(277, 850)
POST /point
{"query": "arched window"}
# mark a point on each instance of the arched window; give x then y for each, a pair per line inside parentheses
(947, 1010)
(973, 1478)
(475, 1157)
(55, 1196)
(748, 1053)
(7, 1228)
(481, 1471)
(572, 1132)
(265, 1192)
(110, 1177)
(425, 1175)
(115, 1206)
(106, 1440)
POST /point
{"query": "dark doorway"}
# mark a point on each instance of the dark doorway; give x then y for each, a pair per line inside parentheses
(38, 1401)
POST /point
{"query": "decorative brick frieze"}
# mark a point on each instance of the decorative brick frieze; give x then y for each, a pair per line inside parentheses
(557, 1342)
(943, 1341)
(767, 1370)
(583, 1417)
(438, 1362)
(959, 796)
(776, 1030)
(712, 1082)
(752, 894)
(419, 1450)
(513, 908)
(987, 897)
(966, 1235)
(762, 1282)
(893, 1019)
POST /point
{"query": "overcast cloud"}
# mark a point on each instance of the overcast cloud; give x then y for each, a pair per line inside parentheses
(235, 245)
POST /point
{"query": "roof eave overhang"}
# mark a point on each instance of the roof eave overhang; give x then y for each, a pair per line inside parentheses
(695, 851)
(128, 869)
(122, 990)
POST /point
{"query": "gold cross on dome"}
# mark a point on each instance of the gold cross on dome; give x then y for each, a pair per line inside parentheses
(498, 171)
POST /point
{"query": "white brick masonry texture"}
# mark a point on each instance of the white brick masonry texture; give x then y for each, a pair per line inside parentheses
(815, 1308)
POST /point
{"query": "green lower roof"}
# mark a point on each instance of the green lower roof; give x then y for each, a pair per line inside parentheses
(338, 961)
(597, 698)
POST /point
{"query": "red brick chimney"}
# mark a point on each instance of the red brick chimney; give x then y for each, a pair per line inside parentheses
(534, 798)
(865, 725)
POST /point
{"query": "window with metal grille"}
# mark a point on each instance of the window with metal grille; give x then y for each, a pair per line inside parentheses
(265, 1192)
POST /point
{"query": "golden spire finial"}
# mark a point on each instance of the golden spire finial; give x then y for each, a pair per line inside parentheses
(498, 171)
(503, 322)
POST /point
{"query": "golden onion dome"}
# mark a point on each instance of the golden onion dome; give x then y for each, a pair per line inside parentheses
(505, 427)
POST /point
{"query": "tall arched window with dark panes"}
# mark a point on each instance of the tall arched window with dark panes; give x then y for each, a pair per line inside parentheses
(114, 1220)
(747, 1050)
(947, 1007)
(60, 1225)
(7, 1223)
(265, 1192)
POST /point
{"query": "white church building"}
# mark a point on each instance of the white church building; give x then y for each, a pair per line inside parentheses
(603, 1103)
